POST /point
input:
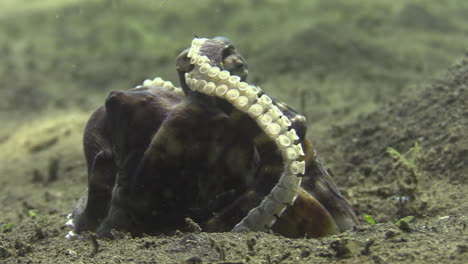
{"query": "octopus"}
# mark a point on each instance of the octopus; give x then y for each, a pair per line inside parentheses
(217, 150)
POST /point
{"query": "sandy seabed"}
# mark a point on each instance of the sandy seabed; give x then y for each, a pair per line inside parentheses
(43, 174)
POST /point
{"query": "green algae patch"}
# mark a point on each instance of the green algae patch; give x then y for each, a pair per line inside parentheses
(369, 219)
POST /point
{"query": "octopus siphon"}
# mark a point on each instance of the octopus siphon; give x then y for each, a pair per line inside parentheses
(217, 150)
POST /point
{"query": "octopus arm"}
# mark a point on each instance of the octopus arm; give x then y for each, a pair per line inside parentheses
(101, 174)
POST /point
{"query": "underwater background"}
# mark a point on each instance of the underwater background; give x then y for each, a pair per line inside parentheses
(383, 85)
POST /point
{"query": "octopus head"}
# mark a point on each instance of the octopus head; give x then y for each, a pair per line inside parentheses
(221, 53)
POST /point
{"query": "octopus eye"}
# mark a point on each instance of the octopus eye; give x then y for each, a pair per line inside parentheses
(228, 51)
(233, 62)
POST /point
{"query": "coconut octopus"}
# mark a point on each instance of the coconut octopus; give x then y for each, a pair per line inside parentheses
(218, 150)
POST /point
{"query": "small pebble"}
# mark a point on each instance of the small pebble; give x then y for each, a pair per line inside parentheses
(192, 260)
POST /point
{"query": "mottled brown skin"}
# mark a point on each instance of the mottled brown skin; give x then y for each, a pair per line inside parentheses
(155, 158)
(169, 158)
(306, 217)
(319, 183)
